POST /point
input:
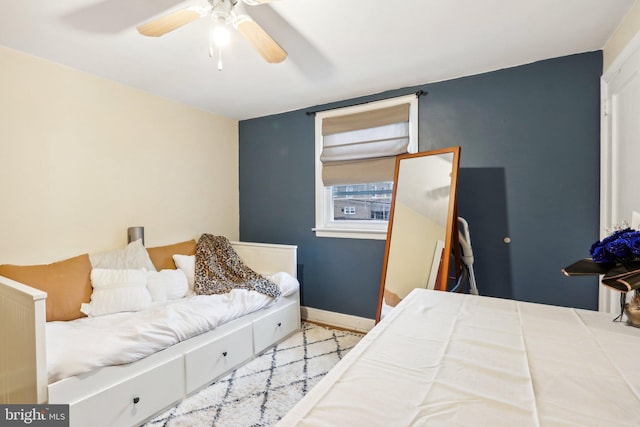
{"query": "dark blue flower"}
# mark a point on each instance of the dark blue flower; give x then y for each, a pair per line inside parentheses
(595, 246)
(618, 248)
(615, 236)
(633, 243)
(600, 254)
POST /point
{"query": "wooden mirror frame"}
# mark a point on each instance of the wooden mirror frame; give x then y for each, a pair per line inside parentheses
(451, 225)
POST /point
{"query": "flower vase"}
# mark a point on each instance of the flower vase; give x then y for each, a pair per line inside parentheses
(632, 310)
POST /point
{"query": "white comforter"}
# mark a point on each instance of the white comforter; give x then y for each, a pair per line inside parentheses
(78, 346)
(448, 359)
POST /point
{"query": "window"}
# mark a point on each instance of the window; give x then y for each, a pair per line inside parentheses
(355, 163)
(349, 210)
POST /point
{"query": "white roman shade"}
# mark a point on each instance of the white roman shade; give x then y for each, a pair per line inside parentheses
(361, 147)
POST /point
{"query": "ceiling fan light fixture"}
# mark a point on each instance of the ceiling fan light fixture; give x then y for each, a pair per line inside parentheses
(220, 34)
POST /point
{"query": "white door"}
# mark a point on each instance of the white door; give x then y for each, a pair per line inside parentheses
(620, 164)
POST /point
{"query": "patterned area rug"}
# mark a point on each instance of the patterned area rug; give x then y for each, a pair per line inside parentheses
(262, 391)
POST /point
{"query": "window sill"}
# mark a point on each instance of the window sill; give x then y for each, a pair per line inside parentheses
(351, 233)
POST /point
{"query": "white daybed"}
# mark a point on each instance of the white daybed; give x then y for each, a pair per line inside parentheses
(129, 394)
(448, 359)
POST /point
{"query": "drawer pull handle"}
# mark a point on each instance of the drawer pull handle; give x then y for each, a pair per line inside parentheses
(136, 400)
(279, 324)
(224, 353)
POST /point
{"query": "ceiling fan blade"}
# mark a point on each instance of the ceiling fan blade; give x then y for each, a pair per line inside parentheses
(261, 41)
(170, 22)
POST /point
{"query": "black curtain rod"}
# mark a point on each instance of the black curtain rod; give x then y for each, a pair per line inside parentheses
(313, 113)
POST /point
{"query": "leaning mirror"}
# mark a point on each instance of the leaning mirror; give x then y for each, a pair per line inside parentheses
(421, 224)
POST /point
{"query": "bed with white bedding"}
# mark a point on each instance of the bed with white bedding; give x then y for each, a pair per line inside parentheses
(88, 343)
(448, 359)
(122, 368)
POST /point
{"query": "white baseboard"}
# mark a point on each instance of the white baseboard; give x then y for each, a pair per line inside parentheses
(346, 321)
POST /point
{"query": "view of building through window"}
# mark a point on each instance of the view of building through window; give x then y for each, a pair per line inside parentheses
(362, 202)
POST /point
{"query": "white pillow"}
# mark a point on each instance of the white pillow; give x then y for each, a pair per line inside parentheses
(187, 263)
(286, 282)
(166, 285)
(117, 290)
(133, 256)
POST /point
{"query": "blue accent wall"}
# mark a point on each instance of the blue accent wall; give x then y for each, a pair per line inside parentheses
(530, 171)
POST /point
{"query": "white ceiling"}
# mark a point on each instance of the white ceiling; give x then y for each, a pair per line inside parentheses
(338, 49)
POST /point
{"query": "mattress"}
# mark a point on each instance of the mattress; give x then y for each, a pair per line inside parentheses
(81, 345)
(448, 359)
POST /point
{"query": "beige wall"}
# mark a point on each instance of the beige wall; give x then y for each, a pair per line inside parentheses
(626, 31)
(412, 267)
(82, 159)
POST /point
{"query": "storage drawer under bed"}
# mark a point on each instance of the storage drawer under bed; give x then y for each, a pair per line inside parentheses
(209, 361)
(132, 401)
(273, 327)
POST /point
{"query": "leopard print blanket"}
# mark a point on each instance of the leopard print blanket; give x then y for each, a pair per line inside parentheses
(219, 270)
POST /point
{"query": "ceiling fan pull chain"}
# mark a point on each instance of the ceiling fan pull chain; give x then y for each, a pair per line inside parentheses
(219, 59)
(211, 40)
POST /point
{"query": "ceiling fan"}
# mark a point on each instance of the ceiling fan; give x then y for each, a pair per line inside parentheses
(222, 17)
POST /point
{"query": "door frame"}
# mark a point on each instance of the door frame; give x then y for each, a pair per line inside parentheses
(609, 300)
